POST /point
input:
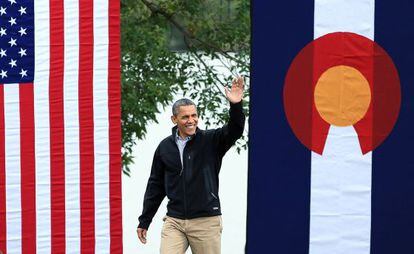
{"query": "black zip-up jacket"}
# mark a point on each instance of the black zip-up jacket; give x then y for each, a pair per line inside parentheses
(192, 189)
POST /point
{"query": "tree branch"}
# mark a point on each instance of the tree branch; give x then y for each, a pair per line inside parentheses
(209, 71)
(170, 17)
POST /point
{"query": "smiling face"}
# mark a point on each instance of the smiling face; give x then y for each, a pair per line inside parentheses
(186, 120)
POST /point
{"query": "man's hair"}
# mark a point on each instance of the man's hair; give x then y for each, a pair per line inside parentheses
(181, 102)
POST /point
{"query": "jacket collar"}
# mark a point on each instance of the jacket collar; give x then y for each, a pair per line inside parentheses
(175, 129)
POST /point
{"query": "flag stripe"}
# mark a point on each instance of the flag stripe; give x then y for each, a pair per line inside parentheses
(393, 161)
(12, 152)
(101, 126)
(3, 228)
(114, 105)
(28, 178)
(42, 143)
(341, 187)
(57, 149)
(279, 165)
(86, 130)
(71, 92)
(350, 16)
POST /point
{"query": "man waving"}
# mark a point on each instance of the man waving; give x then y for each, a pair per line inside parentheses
(185, 168)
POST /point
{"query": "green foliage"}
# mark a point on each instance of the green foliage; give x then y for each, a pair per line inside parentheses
(216, 36)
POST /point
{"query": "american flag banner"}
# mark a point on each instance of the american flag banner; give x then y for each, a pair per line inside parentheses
(60, 135)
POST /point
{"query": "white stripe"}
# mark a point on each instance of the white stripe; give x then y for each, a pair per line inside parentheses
(41, 113)
(340, 196)
(71, 123)
(12, 154)
(101, 126)
(340, 216)
(355, 16)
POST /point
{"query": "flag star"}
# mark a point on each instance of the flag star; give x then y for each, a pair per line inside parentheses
(3, 74)
(22, 31)
(23, 73)
(3, 11)
(12, 2)
(22, 10)
(12, 42)
(13, 63)
(12, 21)
(22, 52)
(3, 53)
(3, 31)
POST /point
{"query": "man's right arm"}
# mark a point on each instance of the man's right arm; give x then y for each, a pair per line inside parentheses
(154, 193)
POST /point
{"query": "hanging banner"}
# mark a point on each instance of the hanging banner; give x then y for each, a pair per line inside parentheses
(330, 169)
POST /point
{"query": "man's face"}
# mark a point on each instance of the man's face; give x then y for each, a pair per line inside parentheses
(186, 120)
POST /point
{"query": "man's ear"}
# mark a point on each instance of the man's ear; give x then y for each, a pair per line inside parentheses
(174, 119)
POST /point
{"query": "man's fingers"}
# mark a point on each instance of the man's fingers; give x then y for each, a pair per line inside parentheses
(241, 81)
(139, 233)
(142, 235)
(142, 239)
(235, 82)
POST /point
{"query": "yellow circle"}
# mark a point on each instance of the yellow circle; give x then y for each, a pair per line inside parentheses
(342, 95)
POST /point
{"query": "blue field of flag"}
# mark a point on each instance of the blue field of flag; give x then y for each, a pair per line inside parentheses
(16, 41)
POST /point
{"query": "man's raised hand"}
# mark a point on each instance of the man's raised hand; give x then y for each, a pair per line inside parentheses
(235, 94)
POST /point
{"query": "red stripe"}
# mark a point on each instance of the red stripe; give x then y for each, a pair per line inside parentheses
(114, 95)
(57, 139)
(3, 228)
(86, 130)
(28, 192)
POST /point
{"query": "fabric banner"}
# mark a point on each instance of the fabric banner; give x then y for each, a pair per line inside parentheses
(60, 135)
(330, 169)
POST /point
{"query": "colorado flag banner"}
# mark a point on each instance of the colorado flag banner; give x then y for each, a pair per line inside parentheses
(60, 137)
(330, 167)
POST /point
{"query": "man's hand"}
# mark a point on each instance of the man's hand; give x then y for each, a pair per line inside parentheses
(235, 94)
(142, 235)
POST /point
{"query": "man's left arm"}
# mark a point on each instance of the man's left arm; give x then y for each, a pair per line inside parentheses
(233, 130)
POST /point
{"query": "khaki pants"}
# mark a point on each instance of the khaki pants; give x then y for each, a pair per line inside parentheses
(202, 234)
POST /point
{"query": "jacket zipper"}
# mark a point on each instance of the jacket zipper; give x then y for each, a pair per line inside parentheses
(183, 180)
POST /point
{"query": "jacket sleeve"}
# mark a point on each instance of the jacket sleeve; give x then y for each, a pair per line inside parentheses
(154, 193)
(233, 130)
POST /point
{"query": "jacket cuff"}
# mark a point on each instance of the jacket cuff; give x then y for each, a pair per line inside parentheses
(238, 105)
(144, 225)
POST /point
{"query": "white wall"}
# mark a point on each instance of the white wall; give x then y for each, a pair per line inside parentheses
(233, 195)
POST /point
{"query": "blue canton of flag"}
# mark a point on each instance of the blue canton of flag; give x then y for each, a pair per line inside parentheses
(16, 41)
